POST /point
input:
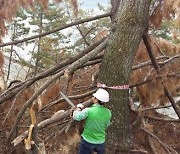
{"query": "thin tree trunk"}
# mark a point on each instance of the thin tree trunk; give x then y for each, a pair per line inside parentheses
(130, 19)
(38, 58)
(11, 51)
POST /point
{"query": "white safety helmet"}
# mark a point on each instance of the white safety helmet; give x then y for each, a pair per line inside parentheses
(102, 95)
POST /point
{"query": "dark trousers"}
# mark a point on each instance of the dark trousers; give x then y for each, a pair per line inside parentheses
(88, 148)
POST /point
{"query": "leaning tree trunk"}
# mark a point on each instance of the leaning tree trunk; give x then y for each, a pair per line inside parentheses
(129, 21)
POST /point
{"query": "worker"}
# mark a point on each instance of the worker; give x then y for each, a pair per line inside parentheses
(97, 119)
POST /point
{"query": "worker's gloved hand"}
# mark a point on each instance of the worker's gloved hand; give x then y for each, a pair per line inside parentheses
(80, 106)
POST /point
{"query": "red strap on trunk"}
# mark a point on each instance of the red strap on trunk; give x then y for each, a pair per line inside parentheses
(99, 85)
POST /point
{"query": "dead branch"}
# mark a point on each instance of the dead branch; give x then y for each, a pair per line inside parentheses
(149, 49)
(68, 82)
(162, 119)
(87, 57)
(97, 61)
(151, 79)
(157, 68)
(89, 93)
(56, 29)
(83, 36)
(158, 107)
(154, 6)
(30, 101)
(140, 115)
(151, 145)
(140, 120)
(169, 59)
(13, 82)
(166, 147)
(69, 126)
(56, 131)
(138, 151)
(134, 151)
(70, 69)
(48, 122)
(147, 63)
(11, 108)
(141, 65)
(90, 30)
(9, 93)
(176, 108)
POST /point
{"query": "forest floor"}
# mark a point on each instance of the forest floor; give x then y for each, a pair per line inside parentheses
(152, 132)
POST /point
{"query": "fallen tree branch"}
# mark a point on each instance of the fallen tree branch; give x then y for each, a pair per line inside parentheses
(166, 147)
(11, 108)
(138, 151)
(156, 66)
(151, 145)
(48, 122)
(141, 122)
(9, 93)
(70, 69)
(158, 107)
(139, 113)
(151, 79)
(83, 36)
(134, 151)
(59, 129)
(70, 97)
(169, 59)
(176, 108)
(149, 50)
(56, 29)
(147, 63)
(162, 119)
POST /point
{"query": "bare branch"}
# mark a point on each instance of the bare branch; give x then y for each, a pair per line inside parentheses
(141, 111)
(70, 69)
(166, 147)
(141, 65)
(152, 145)
(176, 108)
(134, 151)
(168, 60)
(9, 93)
(157, 68)
(162, 119)
(70, 97)
(150, 79)
(83, 36)
(56, 29)
(48, 122)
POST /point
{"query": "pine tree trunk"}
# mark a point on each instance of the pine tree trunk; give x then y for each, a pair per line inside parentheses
(129, 21)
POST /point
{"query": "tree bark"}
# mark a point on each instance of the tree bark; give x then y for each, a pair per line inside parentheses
(128, 26)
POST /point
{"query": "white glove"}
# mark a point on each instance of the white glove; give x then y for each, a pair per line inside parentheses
(80, 106)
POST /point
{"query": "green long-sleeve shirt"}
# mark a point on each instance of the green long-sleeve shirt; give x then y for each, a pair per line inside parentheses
(97, 119)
